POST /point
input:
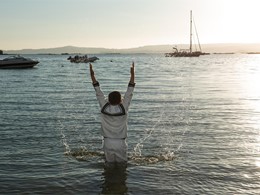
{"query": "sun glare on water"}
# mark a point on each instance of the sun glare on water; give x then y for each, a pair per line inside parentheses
(250, 82)
(250, 94)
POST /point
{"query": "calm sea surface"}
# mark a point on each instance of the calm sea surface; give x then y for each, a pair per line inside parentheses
(194, 126)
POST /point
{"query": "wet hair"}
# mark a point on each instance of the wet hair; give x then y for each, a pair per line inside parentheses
(114, 98)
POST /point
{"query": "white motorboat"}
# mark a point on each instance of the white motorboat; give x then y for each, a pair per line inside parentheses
(17, 62)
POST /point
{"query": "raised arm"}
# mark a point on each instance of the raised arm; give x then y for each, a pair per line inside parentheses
(92, 74)
(129, 93)
(100, 95)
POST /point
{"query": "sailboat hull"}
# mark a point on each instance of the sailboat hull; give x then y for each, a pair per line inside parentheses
(183, 54)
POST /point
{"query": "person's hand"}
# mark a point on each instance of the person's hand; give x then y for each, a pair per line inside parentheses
(132, 70)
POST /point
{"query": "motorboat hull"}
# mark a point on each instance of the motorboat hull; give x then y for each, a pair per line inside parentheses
(17, 62)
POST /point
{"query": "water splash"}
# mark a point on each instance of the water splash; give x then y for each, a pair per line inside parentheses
(64, 139)
(152, 159)
(174, 137)
(83, 154)
(138, 147)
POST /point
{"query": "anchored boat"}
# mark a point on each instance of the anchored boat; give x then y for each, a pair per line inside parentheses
(186, 52)
(17, 62)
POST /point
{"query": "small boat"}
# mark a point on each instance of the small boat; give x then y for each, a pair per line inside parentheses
(82, 59)
(17, 62)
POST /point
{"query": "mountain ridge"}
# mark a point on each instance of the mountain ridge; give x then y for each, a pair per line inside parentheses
(210, 48)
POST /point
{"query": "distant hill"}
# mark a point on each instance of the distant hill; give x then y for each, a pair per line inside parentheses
(211, 48)
(59, 50)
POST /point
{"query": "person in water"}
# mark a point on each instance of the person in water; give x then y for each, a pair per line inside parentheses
(114, 118)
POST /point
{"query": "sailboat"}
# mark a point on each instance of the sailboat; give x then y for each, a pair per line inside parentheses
(186, 52)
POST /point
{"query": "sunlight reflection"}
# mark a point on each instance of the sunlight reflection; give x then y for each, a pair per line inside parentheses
(250, 79)
(252, 70)
(253, 84)
(257, 163)
(249, 73)
(246, 176)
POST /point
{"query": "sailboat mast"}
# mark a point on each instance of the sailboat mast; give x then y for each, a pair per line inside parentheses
(191, 31)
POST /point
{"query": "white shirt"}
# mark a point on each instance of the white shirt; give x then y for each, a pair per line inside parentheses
(114, 117)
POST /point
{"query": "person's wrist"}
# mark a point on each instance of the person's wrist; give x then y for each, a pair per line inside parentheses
(131, 84)
(95, 83)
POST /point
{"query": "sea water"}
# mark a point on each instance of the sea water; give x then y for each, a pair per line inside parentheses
(194, 126)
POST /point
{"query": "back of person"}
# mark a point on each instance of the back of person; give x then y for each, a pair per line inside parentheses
(114, 115)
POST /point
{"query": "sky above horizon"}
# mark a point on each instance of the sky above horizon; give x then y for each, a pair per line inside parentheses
(125, 23)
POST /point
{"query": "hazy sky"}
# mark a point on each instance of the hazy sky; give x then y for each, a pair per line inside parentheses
(125, 23)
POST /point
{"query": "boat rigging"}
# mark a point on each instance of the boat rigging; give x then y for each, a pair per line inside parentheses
(185, 52)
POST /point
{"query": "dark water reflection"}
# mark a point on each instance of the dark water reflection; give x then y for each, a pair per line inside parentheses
(115, 176)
